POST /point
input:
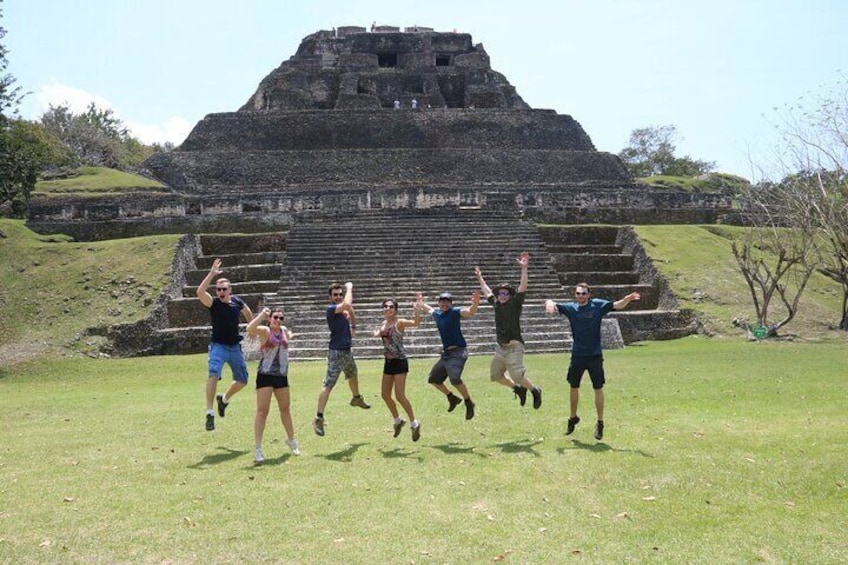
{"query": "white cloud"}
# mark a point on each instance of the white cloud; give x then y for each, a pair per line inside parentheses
(174, 129)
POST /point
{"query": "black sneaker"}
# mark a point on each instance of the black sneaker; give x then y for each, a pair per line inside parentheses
(222, 406)
(599, 430)
(210, 422)
(398, 426)
(469, 409)
(453, 402)
(537, 397)
(571, 423)
(521, 393)
(416, 433)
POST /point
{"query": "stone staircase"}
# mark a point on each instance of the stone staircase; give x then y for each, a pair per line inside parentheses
(394, 254)
(605, 257)
(252, 262)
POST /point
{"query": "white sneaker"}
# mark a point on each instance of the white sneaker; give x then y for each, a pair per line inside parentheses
(258, 457)
(293, 446)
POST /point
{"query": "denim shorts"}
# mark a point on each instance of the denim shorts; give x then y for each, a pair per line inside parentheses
(231, 355)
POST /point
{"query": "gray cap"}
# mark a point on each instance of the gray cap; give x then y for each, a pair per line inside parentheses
(446, 296)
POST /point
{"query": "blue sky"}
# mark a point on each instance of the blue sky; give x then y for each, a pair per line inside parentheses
(714, 69)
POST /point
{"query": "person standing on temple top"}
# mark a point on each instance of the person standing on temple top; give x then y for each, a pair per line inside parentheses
(454, 349)
(396, 364)
(342, 323)
(414, 104)
(225, 343)
(508, 362)
(585, 315)
(397, 104)
(272, 377)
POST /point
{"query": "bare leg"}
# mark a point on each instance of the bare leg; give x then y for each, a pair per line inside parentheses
(575, 396)
(599, 403)
(386, 389)
(323, 397)
(463, 390)
(400, 393)
(284, 402)
(235, 386)
(354, 386)
(263, 403)
(211, 389)
(442, 388)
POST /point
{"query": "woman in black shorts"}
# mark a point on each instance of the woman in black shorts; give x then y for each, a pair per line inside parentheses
(396, 365)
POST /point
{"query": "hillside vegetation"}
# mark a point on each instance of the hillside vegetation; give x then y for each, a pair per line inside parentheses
(96, 181)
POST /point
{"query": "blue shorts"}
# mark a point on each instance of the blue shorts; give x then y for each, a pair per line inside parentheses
(449, 366)
(231, 355)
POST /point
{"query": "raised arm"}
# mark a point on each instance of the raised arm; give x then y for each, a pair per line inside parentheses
(471, 310)
(254, 328)
(416, 315)
(524, 263)
(484, 288)
(202, 292)
(423, 305)
(550, 306)
(622, 304)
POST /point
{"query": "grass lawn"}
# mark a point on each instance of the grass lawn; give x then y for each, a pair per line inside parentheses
(715, 452)
(97, 181)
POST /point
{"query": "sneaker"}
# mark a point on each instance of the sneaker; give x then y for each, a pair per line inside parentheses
(416, 433)
(453, 402)
(398, 426)
(599, 430)
(537, 397)
(521, 393)
(210, 422)
(292, 443)
(222, 406)
(571, 423)
(469, 409)
(258, 457)
(359, 401)
(318, 426)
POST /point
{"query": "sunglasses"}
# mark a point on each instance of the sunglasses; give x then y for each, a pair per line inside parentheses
(278, 317)
(222, 289)
(388, 306)
(503, 293)
(581, 293)
(338, 294)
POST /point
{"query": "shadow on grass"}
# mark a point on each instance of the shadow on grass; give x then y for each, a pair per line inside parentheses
(271, 461)
(216, 458)
(345, 455)
(454, 448)
(400, 453)
(600, 447)
(521, 446)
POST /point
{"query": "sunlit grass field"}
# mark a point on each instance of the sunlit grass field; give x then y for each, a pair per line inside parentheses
(715, 452)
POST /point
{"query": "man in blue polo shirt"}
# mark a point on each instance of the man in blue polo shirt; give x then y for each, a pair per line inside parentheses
(585, 315)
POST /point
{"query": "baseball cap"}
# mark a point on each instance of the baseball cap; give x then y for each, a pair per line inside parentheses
(446, 296)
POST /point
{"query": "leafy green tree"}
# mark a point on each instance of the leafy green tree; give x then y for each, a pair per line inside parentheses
(651, 152)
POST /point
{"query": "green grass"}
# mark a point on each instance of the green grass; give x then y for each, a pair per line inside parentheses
(51, 289)
(716, 452)
(704, 276)
(95, 181)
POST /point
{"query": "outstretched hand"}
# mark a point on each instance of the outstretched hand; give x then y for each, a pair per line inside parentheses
(216, 267)
(524, 259)
(635, 296)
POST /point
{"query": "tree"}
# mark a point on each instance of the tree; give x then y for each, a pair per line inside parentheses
(813, 158)
(651, 152)
(19, 161)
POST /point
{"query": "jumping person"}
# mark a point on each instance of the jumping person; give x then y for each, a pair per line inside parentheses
(272, 377)
(396, 365)
(585, 315)
(454, 349)
(508, 362)
(225, 343)
(342, 323)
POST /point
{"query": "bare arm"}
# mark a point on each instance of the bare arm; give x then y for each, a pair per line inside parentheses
(423, 305)
(524, 263)
(484, 288)
(202, 292)
(254, 328)
(415, 321)
(622, 304)
(550, 306)
(471, 310)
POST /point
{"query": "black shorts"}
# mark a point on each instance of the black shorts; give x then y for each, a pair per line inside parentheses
(276, 381)
(395, 367)
(594, 364)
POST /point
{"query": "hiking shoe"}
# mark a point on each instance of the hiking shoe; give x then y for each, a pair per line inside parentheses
(469, 409)
(258, 457)
(571, 423)
(398, 426)
(359, 401)
(292, 443)
(537, 397)
(416, 433)
(210, 422)
(599, 430)
(521, 393)
(318, 426)
(453, 402)
(222, 406)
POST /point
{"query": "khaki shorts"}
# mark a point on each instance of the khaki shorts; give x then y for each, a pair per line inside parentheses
(508, 358)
